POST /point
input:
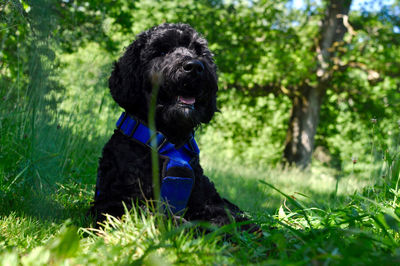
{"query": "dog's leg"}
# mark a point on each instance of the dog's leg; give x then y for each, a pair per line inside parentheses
(206, 204)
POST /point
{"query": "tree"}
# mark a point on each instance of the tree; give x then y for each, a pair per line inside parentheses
(262, 48)
(307, 98)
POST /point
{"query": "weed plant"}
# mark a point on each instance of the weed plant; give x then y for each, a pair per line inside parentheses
(48, 161)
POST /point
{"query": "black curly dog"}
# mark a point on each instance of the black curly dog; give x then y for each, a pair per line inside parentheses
(175, 59)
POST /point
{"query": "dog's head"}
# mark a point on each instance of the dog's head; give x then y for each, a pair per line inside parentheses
(174, 60)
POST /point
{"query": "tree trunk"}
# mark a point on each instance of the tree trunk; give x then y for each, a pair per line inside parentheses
(303, 126)
(307, 100)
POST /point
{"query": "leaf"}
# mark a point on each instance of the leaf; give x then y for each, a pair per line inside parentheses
(66, 244)
(38, 256)
(293, 201)
(380, 221)
(391, 222)
(383, 209)
(154, 259)
(9, 259)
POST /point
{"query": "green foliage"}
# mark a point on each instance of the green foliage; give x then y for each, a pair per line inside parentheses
(56, 114)
(85, 75)
(248, 130)
(361, 106)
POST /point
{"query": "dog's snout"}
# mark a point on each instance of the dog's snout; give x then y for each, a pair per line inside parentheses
(193, 66)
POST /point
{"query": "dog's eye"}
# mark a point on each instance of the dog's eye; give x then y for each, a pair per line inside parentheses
(162, 53)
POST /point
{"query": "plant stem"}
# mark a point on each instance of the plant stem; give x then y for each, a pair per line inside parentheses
(153, 143)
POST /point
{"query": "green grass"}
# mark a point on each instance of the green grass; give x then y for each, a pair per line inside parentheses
(48, 162)
(305, 220)
(355, 231)
(318, 186)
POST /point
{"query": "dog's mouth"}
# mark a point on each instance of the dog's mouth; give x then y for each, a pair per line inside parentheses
(187, 102)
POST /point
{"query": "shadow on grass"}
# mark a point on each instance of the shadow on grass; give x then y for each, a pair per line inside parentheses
(49, 206)
(49, 175)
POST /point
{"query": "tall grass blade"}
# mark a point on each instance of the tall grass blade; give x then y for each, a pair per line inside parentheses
(17, 176)
(153, 143)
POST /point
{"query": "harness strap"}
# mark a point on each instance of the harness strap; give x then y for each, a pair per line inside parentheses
(132, 128)
(177, 175)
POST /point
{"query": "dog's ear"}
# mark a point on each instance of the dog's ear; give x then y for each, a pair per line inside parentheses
(115, 82)
(125, 81)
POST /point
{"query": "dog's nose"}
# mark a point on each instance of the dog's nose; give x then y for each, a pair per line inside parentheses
(194, 66)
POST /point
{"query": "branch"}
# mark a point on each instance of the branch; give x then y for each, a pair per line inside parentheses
(346, 23)
(265, 89)
(373, 75)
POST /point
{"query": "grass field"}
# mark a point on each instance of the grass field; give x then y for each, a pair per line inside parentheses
(47, 173)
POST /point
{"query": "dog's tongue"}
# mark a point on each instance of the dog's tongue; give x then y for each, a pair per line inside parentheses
(186, 100)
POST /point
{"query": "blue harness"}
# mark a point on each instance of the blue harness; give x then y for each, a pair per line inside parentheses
(175, 190)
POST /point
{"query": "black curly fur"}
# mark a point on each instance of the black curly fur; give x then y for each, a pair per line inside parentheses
(156, 59)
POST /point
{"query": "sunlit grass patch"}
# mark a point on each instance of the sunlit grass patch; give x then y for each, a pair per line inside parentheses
(242, 185)
(22, 232)
(138, 237)
(143, 236)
